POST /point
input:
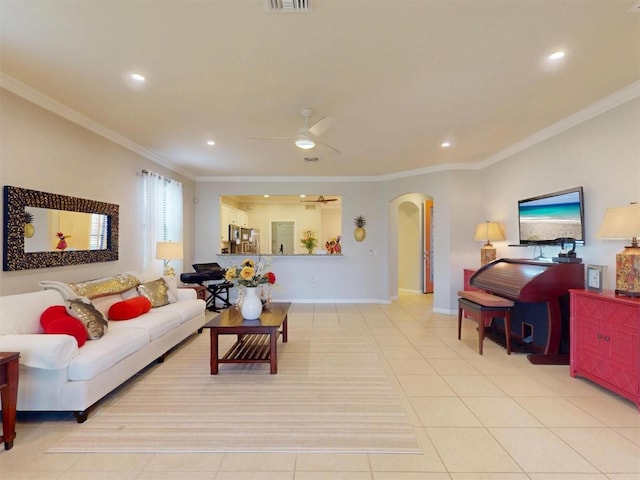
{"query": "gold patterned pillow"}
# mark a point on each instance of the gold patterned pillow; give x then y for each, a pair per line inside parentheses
(94, 321)
(105, 286)
(156, 291)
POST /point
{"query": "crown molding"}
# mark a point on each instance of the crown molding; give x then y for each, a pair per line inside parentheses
(601, 106)
(275, 179)
(38, 98)
(619, 97)
(610, 102)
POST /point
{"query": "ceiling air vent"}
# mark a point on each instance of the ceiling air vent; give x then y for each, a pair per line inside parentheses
(635, 8)
(288, 5)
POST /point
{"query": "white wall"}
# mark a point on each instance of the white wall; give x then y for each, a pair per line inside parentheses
(602, 155)
(41, 151)
(359, 275)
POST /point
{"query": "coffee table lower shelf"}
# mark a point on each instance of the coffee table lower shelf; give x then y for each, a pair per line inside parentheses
(253, 348)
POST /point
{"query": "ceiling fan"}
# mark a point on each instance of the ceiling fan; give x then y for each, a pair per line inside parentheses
(305, 139)
(321, 199)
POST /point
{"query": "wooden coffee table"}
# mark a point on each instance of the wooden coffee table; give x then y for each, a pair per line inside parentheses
(257, 339)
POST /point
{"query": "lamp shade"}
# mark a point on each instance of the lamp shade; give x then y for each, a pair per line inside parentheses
(488, 232)
(620, 223)
(169, 250)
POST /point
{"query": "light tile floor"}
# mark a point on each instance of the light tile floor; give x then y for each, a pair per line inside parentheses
(490, 417)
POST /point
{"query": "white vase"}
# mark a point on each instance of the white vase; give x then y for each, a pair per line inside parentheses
(251, 304)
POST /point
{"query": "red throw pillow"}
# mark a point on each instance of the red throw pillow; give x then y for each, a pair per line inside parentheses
(69, 326)
(52, 313)
(130, 308)
(55, 319)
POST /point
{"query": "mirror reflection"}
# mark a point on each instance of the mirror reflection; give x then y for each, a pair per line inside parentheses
(281, 224)
(48, 230)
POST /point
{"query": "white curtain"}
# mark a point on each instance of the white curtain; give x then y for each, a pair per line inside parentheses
(161, 204)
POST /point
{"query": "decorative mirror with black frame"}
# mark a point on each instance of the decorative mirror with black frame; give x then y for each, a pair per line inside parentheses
(18, 228)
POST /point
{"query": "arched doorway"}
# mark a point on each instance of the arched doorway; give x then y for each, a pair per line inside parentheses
(414, 235)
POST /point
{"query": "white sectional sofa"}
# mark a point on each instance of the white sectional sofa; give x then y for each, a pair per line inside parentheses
(58, 375)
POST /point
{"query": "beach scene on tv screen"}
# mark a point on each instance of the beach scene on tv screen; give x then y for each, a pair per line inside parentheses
(550, 218)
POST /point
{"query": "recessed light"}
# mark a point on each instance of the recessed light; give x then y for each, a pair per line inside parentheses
(303, 196)
(557, 55)
(445, 144)
(266, 196)
(211, 142)
(137, 77)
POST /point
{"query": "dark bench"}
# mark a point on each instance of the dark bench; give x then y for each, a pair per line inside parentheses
(483, 308)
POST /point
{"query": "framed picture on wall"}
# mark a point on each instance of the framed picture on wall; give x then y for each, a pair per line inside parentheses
(595, 277)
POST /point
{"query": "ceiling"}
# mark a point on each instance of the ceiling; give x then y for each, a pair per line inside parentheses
(398, 77)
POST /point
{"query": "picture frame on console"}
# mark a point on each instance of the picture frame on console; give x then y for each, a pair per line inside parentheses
(594, 277)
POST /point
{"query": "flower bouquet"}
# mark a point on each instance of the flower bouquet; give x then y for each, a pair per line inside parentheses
(309, 242)
(333, 246)
(250, 274)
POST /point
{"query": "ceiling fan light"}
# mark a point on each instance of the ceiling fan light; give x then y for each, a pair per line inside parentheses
(304, 142)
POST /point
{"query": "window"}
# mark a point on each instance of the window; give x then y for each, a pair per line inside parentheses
(161, 200)
(98, 232)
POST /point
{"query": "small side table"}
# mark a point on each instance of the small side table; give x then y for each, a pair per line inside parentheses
(9, 368)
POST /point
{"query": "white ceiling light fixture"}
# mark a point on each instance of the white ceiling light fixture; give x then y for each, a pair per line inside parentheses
(557, 55)
(445, 144)
(211, 143)
(304, 141)
(305, 138)
(138, 77)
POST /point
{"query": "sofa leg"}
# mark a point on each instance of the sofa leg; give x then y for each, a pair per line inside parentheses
(82, 416)
(161, 358)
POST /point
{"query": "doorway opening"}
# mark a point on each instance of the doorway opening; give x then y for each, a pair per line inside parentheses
(282, 237)
(414, 213)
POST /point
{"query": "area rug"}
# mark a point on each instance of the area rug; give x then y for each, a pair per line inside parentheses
(331, 395)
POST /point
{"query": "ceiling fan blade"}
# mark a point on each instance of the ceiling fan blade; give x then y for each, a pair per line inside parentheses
(272, 138)
(321, 126)
(320, 199)
(328, 146)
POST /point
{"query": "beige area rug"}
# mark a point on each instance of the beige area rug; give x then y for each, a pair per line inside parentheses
(331, 394)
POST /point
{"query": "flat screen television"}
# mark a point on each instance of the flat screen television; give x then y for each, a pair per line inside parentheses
(546, 219)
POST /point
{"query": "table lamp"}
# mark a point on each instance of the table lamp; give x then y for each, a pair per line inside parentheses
(488, 232)
(168, 251)
(622, 223)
